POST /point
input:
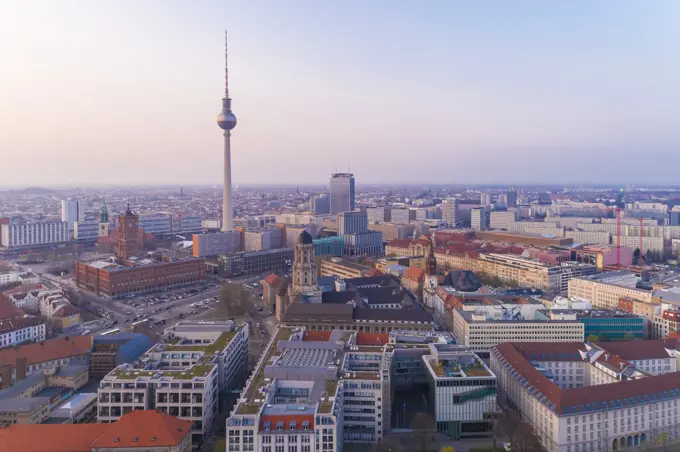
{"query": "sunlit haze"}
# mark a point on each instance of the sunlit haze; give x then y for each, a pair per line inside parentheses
(127, 92)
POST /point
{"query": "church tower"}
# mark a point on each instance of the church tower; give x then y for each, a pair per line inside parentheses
(128, 240)
(304, 266)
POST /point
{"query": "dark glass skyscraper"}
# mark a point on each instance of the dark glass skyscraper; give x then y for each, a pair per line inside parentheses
(342, 192)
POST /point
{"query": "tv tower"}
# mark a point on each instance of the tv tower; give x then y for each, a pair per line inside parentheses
(227, 121)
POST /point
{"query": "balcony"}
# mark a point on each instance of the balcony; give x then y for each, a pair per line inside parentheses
(104, 398)
(104, 411)
(197, 398)
(162, 398)
(173, 411)
(115, 397)
(186, 398)
(127, 398)
(197, 412)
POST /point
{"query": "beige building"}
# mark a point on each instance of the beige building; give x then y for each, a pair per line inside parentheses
(391, 231)
(481, 334)
(583, 237)
(535, 227)
(344, 269)
(653, 244)
(606, 289)
(500, 219)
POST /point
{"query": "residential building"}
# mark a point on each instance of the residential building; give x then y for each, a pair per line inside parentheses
(27, 296)
(481, 331)
(588, 237)
(520, 238)
(391, 231)
(265, 239)
(87, 231)
(27, 235)
(479, 219)
(591, 396)
(16, 362)
(18, 330)
(138, 430)
(450, 212)
(401, 216)
(499, 219)
(604, 290)
(332, 389)
(376, 214)
(300, 218)
(216, 243)
(182, 377)
(342, 193)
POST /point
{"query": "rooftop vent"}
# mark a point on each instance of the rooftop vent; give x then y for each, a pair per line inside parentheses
(116, 440)
(153, 438)
(135, 439)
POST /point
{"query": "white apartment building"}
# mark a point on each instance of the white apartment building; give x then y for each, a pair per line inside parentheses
(606, 289)
(301, 218)
(450, 212)
(500, 219)
(587, 237)
(181, 377)
(21, 276)
(21, 329)
(14, 235)
(481, 332)
(653, 244)
(28, 297)
(479, 219)
(535, 227)
(589, 397)
(568, 222)
(216, 243)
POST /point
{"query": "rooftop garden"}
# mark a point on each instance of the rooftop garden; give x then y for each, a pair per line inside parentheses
(326, 406)
(217, 346)
(250, 406)
(455, 369)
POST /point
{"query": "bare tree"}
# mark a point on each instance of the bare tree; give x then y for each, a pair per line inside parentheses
(423, 430)
(235, 301)
(522, 436)
(385, 445)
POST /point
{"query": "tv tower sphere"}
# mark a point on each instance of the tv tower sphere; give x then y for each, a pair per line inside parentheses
(226, 119)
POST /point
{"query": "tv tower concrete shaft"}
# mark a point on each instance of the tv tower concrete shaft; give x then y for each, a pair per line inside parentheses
(226, 120)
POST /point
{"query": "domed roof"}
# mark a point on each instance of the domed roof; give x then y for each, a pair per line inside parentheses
(305, 238)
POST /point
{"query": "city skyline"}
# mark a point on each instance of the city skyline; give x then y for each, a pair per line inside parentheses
(525, 87)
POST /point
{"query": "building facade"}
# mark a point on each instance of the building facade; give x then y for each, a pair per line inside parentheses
(26, 235)
(342, 195)
(216, 243)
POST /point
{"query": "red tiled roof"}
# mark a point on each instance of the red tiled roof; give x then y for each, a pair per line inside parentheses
(287, 419)
(414, 274)
(316, 336)
(577, 400)
(47, 351)
(373, 272)
(273, 280)
(636, 350)
(142, 429)
(8, 310)
(65, 311)
(50, 437)
(372, 338)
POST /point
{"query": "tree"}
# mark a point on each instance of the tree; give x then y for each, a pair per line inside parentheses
(234, 300)
(636, 256)
(522, 436)
(592, 338)
(385, 445)
(422, 427)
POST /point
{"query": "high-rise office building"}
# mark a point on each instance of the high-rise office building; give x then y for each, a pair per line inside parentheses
(485, 199)
(352, 222)
(342, 192)
(226, 120)
(479, 219)
(72, 211)
(320, 204)
(450, 212)
(511, 198)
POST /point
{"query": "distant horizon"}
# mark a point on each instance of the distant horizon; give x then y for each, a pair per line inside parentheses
(97, 93)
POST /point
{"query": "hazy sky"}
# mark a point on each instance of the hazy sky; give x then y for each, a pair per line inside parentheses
(127, 91)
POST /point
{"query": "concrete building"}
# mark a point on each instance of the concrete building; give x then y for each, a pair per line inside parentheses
(479, 218)
(329, 246)
(216, 243)
(401, 216)
(343, 268)
(28, 235)
(601, 324)
(485, 199)
(592, 396)
(182, 377)
(342, 193)
(89, 231)
(331, 390)
(352, 222)
(481, 331)
(111, 350)
(500, 219)
(18, 330)
(606, 289)
(376, 214)
(535, 227)
(391, 231)
(72, 211)
(265, 239)
(320, 204)
(588, 237)
(602, 256)
(242, 263)
(450, 212)
(363, 243)
(136, 431)
(649, 244)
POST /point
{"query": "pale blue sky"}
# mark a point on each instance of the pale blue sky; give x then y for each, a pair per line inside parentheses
(400, 91)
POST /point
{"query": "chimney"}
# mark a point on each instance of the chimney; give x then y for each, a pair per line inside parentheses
(21, 368)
